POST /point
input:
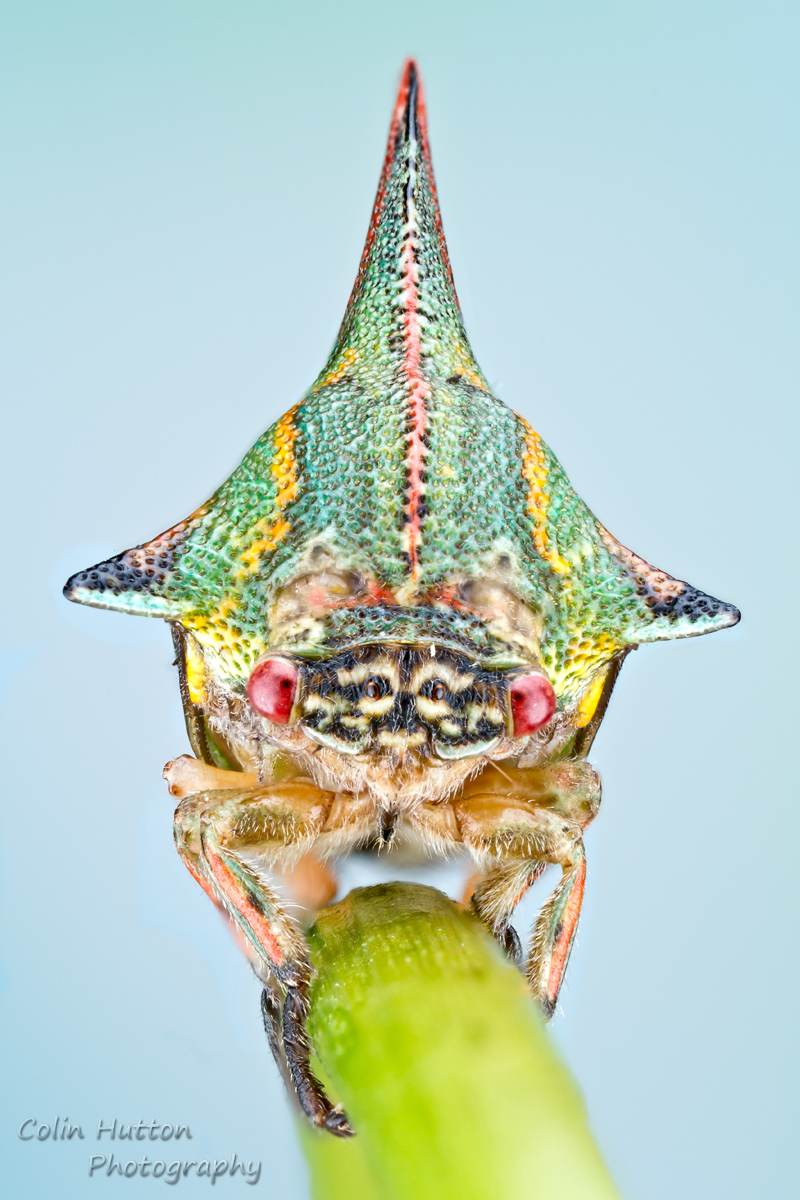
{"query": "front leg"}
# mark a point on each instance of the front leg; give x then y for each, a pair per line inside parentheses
(226, 837)
(536, 817)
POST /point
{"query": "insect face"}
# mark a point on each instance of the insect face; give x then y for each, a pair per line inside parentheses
(396, 701)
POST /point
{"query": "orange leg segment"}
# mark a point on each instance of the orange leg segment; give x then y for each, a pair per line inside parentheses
(223, 836)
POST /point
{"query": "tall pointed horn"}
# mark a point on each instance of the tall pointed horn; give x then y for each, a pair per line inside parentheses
(403, 306)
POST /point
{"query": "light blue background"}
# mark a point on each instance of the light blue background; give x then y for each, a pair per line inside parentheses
(186, 191)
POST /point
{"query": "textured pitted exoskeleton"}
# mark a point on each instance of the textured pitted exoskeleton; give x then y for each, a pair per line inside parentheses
(396, 621)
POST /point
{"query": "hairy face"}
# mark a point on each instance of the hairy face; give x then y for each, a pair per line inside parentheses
(381, 700)
(397, 701)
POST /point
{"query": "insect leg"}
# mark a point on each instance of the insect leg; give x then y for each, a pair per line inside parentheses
(496, 894)
(284, 1025)
(554, 932)
(536, 819)
(226, 838)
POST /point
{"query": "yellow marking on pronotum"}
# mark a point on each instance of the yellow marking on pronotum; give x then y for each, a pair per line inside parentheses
(348, 360)
(273, 534)
(284, 464)
(219, 632)
(195, 672)
(284, 471)
(465, 367)
(534, 471)
(589, 701)
(208, 622)
(585, 655)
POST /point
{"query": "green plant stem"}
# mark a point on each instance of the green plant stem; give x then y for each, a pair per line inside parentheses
(427, 1036)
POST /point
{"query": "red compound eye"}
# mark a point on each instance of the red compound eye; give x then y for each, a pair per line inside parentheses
(533, 703)
(272, 688)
